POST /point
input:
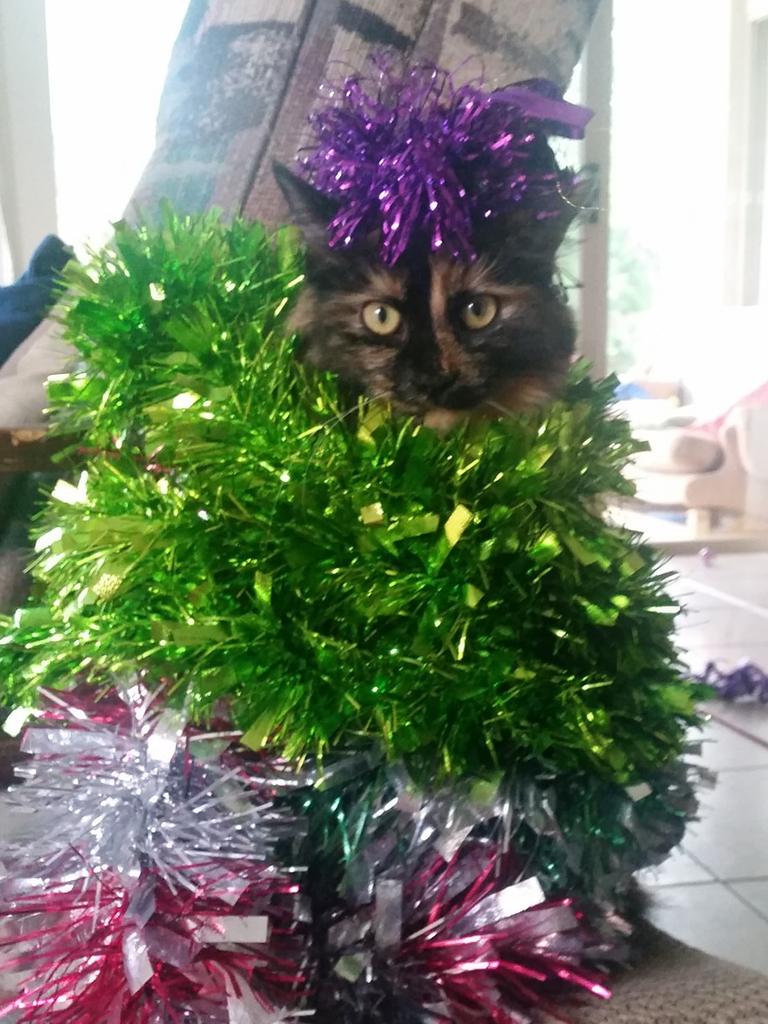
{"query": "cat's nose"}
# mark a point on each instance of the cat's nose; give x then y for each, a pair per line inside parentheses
(436, 386)
(429, 383)
(453, 393)
(441, 384)
(436, 390)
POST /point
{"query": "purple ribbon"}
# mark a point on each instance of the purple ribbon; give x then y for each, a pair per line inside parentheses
(541, 100)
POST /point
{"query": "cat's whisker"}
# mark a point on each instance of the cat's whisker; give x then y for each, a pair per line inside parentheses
(386, 393)
(591, 208)
(339, 417)
(504, 410)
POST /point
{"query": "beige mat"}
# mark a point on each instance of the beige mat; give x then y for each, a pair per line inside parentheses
(674, 984)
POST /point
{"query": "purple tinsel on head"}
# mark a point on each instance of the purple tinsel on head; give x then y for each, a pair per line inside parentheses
(413, 152)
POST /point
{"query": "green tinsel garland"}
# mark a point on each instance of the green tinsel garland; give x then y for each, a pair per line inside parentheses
(337, 573)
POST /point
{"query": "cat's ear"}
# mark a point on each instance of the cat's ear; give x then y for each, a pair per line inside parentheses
(312, 211)
(578, 203)
(523, 235)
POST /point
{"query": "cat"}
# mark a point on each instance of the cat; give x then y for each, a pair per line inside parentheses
(439, 339)
(444, 340)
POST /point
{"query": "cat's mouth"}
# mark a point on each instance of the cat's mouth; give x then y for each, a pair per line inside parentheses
(519, 394)
(449, 395)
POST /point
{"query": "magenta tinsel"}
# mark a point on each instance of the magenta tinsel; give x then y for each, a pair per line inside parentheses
(746, 680)
(441, 918)
(89, 954)
(414, 152)
(457, 941)
(142, 885)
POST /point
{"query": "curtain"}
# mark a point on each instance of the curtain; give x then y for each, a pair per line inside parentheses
(6, 265)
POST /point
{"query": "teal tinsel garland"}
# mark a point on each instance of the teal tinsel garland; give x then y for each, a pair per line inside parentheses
(338, 574)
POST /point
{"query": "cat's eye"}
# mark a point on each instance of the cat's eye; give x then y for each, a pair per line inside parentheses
(478, 311)
(381, 318)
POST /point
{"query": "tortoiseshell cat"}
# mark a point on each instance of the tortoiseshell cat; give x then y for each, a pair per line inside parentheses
(439, 339)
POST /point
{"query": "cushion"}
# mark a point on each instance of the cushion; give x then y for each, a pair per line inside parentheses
(679, 451)
(24, 304)
(23, 396)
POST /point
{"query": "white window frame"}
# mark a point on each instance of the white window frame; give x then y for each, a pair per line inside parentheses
(28, 187)
(748, 151)
(27, 179)
(598, 80)
(755, 272)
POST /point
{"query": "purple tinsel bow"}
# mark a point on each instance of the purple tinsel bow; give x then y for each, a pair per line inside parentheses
(415, 151)
(746, 680)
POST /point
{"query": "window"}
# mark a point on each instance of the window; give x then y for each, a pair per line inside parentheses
(687, 238)
(106, 67)
(687, 242)
(80, 82)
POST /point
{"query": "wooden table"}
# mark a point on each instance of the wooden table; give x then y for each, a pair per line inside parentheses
(28, 450)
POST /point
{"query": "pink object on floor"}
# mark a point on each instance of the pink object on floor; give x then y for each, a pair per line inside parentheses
(707, 556)
(757, 397)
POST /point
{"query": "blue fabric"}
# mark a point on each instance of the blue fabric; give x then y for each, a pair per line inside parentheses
(630, 390)
(24, 304)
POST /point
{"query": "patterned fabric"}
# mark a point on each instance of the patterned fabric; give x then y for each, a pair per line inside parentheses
(245, 73)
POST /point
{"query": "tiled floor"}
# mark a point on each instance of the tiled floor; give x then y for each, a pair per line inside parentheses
(714, 892)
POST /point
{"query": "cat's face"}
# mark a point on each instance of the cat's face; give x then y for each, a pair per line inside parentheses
(436, 337)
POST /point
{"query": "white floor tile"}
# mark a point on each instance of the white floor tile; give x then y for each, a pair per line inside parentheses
(730, 841)
(744, 567)
(755, 892)
(726, 656)
(731, 837)
(722, 749)
(712, 918)
(743, 576)
(684, 591)
(725, 626)
(695, 615)
(750, 716)
(751, 588)
(678, 869)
